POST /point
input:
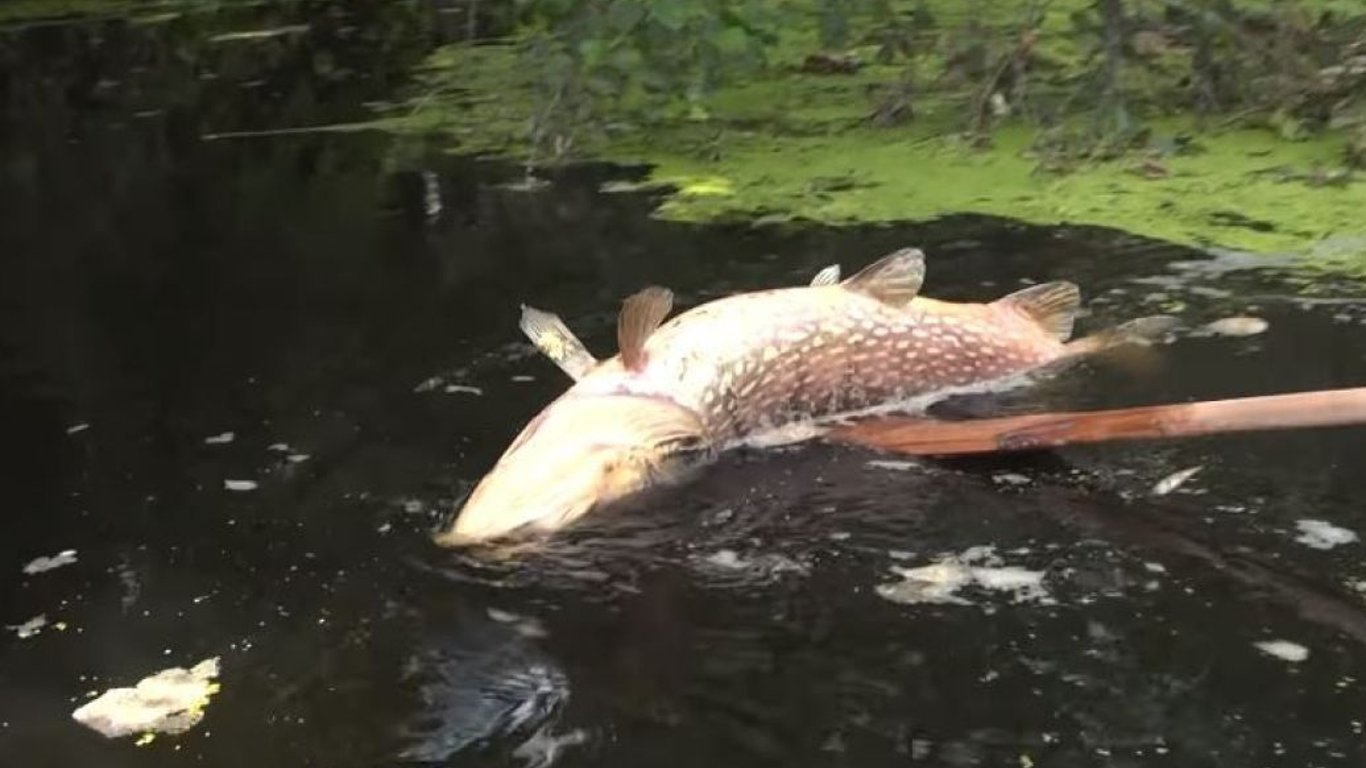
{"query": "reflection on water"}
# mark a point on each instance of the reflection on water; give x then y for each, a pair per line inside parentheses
(346, 309)
(481, 683)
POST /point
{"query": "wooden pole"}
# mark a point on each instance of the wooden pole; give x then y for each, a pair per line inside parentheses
(926, 437)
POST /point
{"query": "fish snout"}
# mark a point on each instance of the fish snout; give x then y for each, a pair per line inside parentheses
(579, 455)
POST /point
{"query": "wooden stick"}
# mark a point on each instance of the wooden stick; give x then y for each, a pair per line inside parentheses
(926, 437)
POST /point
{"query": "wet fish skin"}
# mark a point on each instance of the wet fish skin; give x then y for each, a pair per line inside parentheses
(684, 390)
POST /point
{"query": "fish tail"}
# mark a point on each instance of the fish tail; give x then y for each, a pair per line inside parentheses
(1142, 331)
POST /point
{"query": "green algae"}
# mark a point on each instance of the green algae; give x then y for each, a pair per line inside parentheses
(138, 11)
(1242, 192)
(793, 146)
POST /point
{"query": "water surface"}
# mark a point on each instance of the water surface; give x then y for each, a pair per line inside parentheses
(346, 309)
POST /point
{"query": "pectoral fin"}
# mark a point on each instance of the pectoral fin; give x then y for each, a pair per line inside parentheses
(640, 315)
(1052, 305)
(657, 422)
(828, 276)
(554, 339)
(894, 279)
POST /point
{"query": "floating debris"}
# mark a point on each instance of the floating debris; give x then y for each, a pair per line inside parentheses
(171, 701)
(1321, 534)
(1011, 478)
(725, 558)
(31, 627)
(1175, 480)
(899, 466)
(525, 626)
(279, 447)
(259, 34)
(41, 564)
(295, 458)
(769, 566)
(939, 582)
(544, 748)
(240, 485)
(222, 439)
(523, 379)
(1283, 649)
(622, 187)
(1236, 326)
(452, 389)
(77, 428)
(429, 385)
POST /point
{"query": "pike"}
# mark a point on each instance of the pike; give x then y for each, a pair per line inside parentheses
(681, 392)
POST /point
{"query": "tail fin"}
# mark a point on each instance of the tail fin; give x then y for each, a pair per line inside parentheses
(1144, 330)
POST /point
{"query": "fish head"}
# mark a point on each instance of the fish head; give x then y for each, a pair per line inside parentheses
(581, 452)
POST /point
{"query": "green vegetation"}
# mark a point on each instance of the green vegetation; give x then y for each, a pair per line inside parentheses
(1236, 123)
(32, 10)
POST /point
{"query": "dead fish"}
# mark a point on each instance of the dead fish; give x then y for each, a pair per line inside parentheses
(680, 392)
(1236, 326)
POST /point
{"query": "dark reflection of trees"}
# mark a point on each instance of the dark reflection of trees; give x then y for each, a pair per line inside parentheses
(145, 271)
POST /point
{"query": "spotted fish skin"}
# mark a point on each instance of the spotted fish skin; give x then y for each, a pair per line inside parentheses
(685, 389)
(760, 360)
(824, 351)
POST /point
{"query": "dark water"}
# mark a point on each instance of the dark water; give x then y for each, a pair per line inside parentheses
(158, 289)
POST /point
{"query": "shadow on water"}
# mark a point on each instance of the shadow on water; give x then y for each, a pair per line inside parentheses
(347, 312)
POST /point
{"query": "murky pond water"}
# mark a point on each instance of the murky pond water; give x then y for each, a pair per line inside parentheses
(347, 314)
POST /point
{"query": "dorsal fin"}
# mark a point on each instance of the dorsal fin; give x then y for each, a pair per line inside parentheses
(550, 335)
(1051, 305)
(641, 314)
(894, 279)
(828, 276)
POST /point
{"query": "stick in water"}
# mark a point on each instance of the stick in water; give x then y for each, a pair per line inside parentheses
(924, 437)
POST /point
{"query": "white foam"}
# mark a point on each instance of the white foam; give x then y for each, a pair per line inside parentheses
(170, 701)
(897, 466)
(1175, 480)
(31, 627)
(940, 582)
(41, 564)
(1321, 534)
(1283, 649)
